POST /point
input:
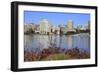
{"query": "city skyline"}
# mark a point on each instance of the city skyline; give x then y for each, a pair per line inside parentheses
(56, 18)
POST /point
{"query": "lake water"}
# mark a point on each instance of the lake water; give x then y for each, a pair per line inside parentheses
(39, 42)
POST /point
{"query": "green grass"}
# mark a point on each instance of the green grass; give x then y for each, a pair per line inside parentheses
(55, 57)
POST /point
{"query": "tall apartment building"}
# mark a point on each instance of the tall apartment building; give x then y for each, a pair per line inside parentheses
(45, 27)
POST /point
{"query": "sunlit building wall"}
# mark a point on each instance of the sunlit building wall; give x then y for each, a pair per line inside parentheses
(45, 27)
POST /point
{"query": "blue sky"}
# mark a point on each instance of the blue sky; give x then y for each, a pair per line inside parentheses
(56, 18)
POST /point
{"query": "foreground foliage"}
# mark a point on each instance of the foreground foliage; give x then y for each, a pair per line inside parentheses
(56, 54)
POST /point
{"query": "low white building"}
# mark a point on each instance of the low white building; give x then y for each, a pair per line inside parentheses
(29, 27)
(37, 29)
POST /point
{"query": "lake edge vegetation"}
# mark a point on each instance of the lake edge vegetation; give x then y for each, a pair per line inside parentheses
(56, 54)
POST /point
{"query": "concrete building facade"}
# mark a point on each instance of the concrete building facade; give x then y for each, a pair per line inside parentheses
(45, 27)
(70, 27)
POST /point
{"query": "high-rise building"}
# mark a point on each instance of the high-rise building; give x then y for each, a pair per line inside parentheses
(70, 27)
(45, 27)
(70, 24)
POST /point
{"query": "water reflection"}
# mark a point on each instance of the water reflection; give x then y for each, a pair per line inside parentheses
(40, 42)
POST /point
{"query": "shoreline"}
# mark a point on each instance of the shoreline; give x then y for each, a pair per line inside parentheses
(55, 34)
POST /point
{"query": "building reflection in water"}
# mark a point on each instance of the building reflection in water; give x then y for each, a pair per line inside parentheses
(28, 40)
(40, 42)
(69, 41)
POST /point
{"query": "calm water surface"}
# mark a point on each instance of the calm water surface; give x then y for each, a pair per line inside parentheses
(40, 42)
